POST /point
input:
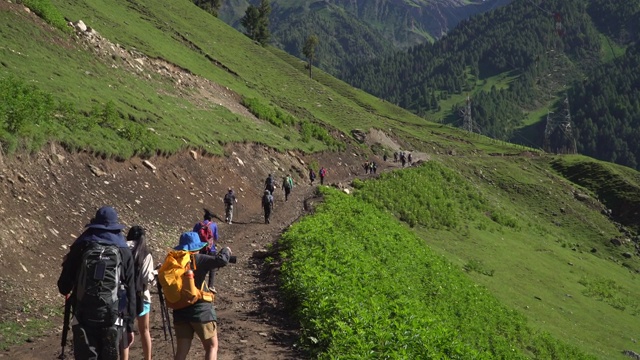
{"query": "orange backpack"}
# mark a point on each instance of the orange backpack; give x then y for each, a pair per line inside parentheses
(178, 285)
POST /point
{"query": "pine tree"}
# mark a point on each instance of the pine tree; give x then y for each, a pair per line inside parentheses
(309, 50)
(250, 21)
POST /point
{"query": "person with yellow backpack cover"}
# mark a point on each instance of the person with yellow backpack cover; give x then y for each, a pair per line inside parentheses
(182, 278)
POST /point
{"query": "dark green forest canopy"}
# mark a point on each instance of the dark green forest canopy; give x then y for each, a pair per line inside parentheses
(606, 110)
(542, 49)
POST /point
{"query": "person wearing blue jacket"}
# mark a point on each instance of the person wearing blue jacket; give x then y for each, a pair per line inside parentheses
(91, 342)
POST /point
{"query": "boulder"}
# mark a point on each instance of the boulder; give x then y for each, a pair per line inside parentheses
(359, 135)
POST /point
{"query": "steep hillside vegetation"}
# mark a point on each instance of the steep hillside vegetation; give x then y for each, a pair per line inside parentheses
(488, 248)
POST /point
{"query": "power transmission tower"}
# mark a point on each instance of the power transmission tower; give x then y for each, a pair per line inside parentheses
(467, 121)
(558, 133)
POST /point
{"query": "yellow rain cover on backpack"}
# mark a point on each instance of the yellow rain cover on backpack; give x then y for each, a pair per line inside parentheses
(178, 284)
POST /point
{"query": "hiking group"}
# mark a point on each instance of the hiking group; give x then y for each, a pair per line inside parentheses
(403, 158)
(106, 281)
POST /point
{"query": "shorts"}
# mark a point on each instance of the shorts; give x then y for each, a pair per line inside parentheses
(146, 307)
(185, 330)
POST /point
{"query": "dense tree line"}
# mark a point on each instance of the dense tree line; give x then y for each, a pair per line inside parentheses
(520, 39)
(606, 110)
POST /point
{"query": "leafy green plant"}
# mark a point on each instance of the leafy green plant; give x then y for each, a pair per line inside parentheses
(431, 195)
(606, 290)
(477, 266)
(363, 286)
(48, 12)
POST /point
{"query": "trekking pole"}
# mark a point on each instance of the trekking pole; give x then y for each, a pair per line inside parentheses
(65, 325)
(164, 312)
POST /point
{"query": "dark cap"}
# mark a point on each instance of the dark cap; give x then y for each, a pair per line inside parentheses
(106, 219)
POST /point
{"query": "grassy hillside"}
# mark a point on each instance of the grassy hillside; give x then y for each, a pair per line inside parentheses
(105, 98)
(542, 272)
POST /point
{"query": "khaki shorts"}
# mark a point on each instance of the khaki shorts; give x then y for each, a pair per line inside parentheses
(204, 331)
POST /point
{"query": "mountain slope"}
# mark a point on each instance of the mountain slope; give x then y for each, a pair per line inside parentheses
(350, 30)
(516, 63)
(215, 110)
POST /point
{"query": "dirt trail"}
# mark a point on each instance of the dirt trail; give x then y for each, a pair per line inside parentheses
(252, 323)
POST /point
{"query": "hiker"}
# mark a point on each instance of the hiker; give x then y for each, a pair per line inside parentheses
(312, 176)
(229, 201)
(395, 156)
(366, 167)
(269, 184)
(208, 232)
(145, 278)
(374, 167)
(199, 318)
(287, 185)
(267, 205)
(323, 173)
(403, 159)
(90, 277)
(384, 157)
(410, 159)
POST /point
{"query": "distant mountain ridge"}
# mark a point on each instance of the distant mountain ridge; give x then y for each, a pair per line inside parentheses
(358, 28)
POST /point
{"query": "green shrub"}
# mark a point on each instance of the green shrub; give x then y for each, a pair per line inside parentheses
(23, 105)
(48, 12)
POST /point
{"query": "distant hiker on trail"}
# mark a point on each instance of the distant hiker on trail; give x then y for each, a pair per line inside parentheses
(374, 167)
(410, 159)
(269, 184)
(287, 185)
(312, 176)
(99, 276)
(145, 279)
(403, 159)
(366, 167)
(323, 173)
(229, 201)
(208, 232)
(199, 318)
(384, 157)
(267, 205)
(395, 156)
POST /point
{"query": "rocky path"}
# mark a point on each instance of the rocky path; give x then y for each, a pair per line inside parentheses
(252, 322)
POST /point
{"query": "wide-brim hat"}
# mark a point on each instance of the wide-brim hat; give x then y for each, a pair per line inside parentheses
(190, 241)
(106, 219)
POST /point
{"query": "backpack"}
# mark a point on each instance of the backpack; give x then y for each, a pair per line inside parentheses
(178, 285)
(266, 201)
(228, 199)
(288, 182)
(269, 181)
(323, 172)
(206, 235)
(98, 288)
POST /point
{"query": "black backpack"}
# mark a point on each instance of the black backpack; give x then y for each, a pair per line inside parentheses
(97, 293)
(265, 200)
(228, 199)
